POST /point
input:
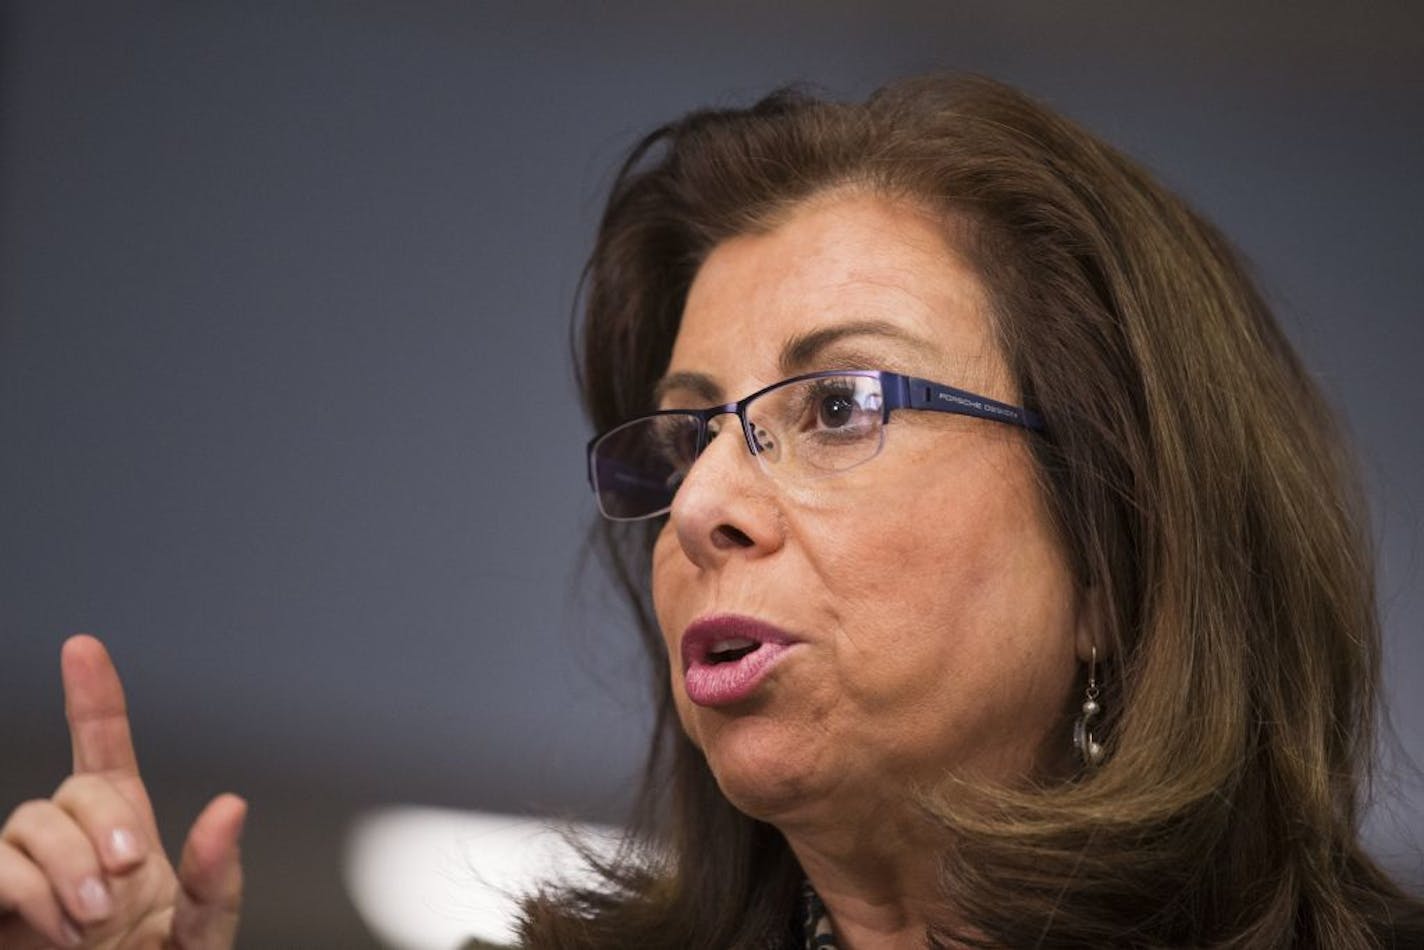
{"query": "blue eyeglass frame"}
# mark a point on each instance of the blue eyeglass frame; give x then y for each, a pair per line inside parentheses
(898, 392)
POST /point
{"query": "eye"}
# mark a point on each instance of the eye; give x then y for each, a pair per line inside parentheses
(822, 409)
(835, 410)
(829, 405)
(672, 442)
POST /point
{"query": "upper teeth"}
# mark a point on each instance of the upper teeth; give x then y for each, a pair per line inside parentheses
(731, 643)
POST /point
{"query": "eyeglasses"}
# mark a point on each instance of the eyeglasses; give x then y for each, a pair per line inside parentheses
(799, 429)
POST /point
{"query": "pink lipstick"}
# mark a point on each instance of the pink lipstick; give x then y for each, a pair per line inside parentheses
(725, 657)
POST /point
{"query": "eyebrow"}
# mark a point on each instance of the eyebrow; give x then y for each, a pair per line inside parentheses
(699, 384)
(798, 354)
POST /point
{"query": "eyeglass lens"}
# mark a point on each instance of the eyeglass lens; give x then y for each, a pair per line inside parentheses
(801, 430)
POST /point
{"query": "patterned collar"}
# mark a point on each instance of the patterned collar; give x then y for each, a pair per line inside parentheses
(816, 921)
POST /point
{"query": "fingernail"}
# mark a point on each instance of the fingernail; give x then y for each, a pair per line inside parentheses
(94, 898)
(123, 846)
(72, 937)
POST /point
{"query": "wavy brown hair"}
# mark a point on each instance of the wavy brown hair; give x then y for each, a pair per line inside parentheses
(1201, 490)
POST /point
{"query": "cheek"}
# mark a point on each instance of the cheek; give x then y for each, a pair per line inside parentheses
(941, 582)
(669, 583)
(907, 540)
(672, 609)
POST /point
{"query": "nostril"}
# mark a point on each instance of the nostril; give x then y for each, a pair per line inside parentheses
(726, 536)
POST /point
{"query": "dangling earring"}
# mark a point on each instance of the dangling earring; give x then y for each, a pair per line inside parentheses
(1083, 741)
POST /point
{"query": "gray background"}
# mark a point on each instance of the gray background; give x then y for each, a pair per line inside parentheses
(286, 411)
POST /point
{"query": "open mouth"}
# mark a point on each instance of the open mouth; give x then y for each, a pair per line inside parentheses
(726, 656)
(731, 650)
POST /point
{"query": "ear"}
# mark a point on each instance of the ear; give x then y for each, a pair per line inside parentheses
(1091, 631)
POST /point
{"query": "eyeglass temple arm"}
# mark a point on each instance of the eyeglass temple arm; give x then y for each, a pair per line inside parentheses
(913, 393)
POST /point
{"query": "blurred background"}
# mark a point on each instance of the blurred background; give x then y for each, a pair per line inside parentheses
(286, 407)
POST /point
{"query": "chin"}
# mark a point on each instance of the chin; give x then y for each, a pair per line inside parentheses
(763, 768)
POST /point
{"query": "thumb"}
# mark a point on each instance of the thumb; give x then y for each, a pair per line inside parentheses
(210, 878)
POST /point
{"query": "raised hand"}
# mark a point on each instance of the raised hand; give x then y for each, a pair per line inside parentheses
(85, 868)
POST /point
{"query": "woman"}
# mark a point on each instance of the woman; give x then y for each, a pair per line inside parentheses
(1176, 554)
(1024, 599)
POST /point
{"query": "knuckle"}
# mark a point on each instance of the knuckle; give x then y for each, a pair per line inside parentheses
(28, 891)
(27, 815)
(77, 788)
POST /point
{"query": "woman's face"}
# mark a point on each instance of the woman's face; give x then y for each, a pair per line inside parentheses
(926, 612)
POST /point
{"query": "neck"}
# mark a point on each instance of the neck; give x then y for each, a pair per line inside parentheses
(876, 877)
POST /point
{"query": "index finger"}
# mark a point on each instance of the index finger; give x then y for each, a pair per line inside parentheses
(94, 705)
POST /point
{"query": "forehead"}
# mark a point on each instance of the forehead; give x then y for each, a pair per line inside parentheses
(884, 270)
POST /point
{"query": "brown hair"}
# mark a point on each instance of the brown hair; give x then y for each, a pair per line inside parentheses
(1202, 493)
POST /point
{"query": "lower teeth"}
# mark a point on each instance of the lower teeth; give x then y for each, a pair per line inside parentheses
(731, 656)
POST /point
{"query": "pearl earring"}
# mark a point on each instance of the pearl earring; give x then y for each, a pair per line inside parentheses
(1090, 750)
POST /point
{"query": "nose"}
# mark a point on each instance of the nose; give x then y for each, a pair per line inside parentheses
(726, 506)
